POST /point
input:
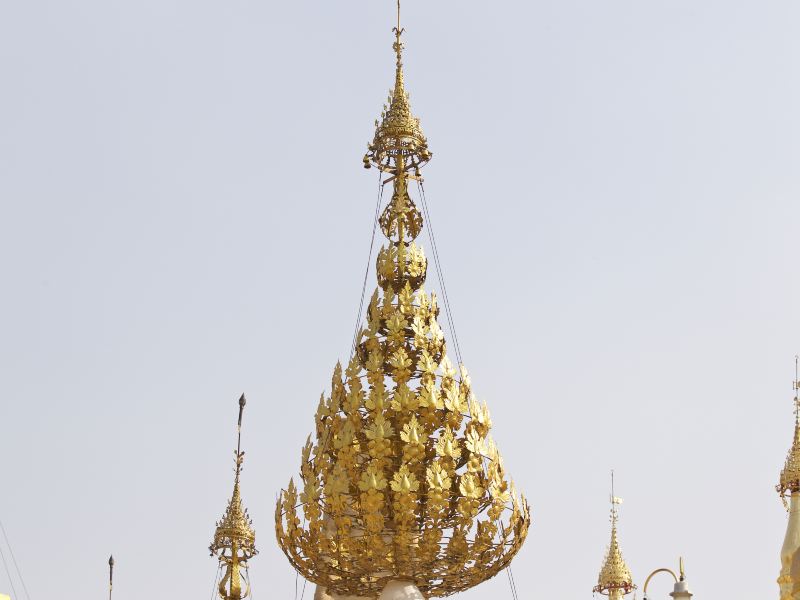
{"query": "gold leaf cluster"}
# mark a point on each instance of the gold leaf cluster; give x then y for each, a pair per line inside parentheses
(402, 480)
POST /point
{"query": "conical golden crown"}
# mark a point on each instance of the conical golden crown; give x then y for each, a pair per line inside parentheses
(790, 475)
(234, 533)
(614, 574)
(398, 132)
(402, 480)
(235, 527)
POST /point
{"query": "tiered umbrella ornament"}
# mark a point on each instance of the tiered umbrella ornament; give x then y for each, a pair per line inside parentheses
(402, 480)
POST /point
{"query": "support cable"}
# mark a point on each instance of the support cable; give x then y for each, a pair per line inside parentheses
(297, 575)
(451, 322)
(303, 595)
(440, 274)
(513, 582)
(357, 328)
(296, 579)
(8, 573)
(14, 560)
(216, 580)
(511, 585)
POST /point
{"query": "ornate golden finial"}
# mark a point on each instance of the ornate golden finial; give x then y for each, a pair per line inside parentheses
(790, 475)
(234, 539)
(398, 45)
(398, 133)
(615, 578)
(403, 481)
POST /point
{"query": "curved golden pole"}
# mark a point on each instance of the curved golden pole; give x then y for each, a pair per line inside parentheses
(656, 572)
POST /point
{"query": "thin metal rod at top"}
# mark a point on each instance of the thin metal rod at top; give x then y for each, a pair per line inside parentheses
(110, 575)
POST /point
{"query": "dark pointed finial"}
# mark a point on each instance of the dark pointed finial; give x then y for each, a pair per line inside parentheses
(110, 575)
(796, 387)
(613, 497)
(239, 453)
(242, 402)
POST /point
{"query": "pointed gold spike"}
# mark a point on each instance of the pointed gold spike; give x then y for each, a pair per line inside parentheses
(234, 540)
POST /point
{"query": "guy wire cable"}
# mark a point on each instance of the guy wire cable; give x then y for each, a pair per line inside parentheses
(297, 575)
(249, 585)
(511, 585)
(451, 322)
(303, 595)
(296, 579)
(440, 274)
(216, 579)
(14, 560)
(8, 573)
(369, 260)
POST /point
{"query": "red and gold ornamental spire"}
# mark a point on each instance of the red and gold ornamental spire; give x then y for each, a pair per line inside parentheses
(789, 489)
(234, 539)
(403, 484)
(615, 579)
(790, 474)
(398, 134)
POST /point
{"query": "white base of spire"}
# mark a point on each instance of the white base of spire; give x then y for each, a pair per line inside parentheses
(681, 591)
(401, 590)
(322, 594)
(394, 590)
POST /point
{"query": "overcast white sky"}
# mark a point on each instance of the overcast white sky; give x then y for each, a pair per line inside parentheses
(184, 217)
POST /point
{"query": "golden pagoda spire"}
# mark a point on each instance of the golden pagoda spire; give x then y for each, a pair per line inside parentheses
(789, 490)
(790, 475)
(398, 133)
(615, 579)
(402, 486)
(234, 539)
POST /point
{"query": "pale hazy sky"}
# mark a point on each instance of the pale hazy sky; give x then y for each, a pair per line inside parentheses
(184, 217)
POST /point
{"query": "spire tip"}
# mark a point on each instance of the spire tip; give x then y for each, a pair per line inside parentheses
(398, 144)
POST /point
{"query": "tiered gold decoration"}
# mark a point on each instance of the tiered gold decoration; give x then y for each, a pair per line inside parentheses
(615, 580)
(234, 539)
(789, 490)
(790, 475)
(398, 133)
(403, 481)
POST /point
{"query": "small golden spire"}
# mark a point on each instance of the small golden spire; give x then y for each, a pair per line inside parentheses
(790, 475)
(235, 539)
(615, 579)
(399, 144)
